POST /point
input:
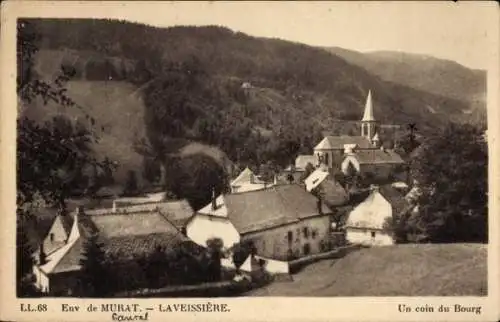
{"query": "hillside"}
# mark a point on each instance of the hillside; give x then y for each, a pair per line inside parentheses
(185, 82)
(426, 73)
(402, 270)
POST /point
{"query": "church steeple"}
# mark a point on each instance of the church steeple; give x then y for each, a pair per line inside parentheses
(368, 115)
(368, 123)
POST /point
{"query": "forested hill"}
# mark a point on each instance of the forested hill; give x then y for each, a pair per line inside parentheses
(427, 73)
(186, 83)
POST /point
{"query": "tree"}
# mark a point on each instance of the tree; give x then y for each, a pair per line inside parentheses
(215, 252)
(94, 275)
(242, 250)
(155, 266)
(49, 155)
(451, 172)
(25, 261)
(268, 172)
(194, 178)
(307, 171)
(408, 142)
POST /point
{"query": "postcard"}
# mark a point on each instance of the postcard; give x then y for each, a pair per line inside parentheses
(276, 161)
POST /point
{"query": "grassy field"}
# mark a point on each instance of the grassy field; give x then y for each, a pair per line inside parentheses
(403, 270)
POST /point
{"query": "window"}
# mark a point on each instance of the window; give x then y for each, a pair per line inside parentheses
(373, 234)
(306, 232)
(307, 249)
(326, 159)
(51, 236)
(313, 234)
(290, 237)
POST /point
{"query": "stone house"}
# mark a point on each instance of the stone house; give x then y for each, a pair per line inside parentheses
(283, 221)
(366, 222)
(126, 233)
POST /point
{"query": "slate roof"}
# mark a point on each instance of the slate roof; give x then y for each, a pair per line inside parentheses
(333, 193)
(395, 198)
(377, 156)
(124, 235)
(178, 211)
(265, 209)
(338, 142)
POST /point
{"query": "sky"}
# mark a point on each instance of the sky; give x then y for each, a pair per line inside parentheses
(464, 32)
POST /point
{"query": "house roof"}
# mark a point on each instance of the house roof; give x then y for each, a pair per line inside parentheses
(377, 156)
(395, 198)
(333, 193)
(264, 209)
(178, 211)
(124, 235)
(246, 176)
(315, 179)
(338, 142)
(302, 160)
(131, 224)
(219, 211)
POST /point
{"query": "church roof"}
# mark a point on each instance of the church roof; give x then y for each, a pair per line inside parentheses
(377, 156)
(368, 115)
(339, 142)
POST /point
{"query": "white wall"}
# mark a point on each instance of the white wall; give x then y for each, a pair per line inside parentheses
(42, 281)
(347, 160)
(371, 213)
(202, 227)
(274, 266)
(273, 242)
(59, 235)
(364, 237)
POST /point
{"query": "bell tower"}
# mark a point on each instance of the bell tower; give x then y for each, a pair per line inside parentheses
(368, 124)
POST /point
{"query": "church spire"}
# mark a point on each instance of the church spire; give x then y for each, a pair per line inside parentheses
(368, 115)
(368, 123)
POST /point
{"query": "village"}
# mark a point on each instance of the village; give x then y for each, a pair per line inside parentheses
(261, 232)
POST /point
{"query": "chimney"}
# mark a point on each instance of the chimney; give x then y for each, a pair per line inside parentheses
(382, 148)
(114, 206)
(320, 206)
(275, 180)
(214, 199)
(42, 256)
(79, 210)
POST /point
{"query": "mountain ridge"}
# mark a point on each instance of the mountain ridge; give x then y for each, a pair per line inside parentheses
(297, 91)
(421, 71)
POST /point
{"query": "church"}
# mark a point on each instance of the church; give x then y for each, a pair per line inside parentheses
(363, 152)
